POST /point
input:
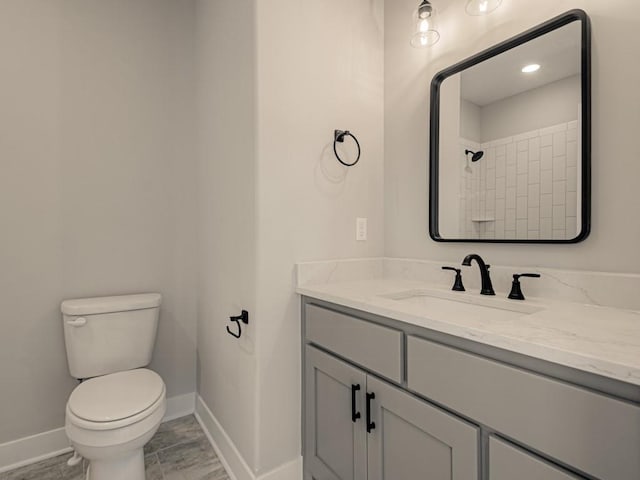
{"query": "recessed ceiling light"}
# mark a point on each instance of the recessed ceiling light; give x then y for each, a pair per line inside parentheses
(534, 67)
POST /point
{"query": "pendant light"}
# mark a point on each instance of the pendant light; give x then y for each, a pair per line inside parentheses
(425, 33)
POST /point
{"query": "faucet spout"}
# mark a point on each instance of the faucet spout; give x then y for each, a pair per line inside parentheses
(487, 286)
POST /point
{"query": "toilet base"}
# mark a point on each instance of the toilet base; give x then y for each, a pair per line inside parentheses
(127, 467)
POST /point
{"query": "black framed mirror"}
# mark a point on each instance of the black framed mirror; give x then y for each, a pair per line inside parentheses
(510, 139)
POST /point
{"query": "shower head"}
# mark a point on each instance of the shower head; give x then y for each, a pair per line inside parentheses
(475, 155)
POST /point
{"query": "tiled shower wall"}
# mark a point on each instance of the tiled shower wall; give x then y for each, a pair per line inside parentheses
(524, 187)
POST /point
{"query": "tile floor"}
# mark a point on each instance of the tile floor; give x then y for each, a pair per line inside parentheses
(178, 451)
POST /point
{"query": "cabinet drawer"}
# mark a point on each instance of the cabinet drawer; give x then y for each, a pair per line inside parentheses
(375, 347)
(589, 431)
(507, 461)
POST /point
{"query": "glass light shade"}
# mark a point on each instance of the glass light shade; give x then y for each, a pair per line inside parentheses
(424, 21)
(482, 7)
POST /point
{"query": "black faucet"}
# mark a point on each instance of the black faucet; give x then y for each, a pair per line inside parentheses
(487, 287)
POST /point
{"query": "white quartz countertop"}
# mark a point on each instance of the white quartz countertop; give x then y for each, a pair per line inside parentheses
(595, 339)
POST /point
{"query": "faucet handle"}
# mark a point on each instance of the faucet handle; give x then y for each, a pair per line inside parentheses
(457, 284)
(516, 291)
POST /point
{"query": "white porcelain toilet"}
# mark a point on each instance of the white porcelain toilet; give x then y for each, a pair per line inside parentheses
(119, 405)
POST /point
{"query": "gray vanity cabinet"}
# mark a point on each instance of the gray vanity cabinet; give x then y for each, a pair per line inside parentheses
(413, 439)
(335, 446)
(505, 460)
(410, 437)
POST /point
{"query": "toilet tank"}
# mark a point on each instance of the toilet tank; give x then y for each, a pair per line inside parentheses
(110, 334)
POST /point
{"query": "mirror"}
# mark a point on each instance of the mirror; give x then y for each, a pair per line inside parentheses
(510, 140)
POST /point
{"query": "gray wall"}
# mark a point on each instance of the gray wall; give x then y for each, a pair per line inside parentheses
(612, 245)
(551, 104)
(96, 135)
(225, 46)
(320, 67)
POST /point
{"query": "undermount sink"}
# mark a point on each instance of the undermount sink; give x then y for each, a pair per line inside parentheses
(464, 303)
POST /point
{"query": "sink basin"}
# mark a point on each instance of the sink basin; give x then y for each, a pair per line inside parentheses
(465, 304)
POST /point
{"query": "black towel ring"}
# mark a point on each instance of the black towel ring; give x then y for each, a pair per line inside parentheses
(338, 136)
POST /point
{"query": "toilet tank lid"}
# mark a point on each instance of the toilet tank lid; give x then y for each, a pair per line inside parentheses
(120, 303)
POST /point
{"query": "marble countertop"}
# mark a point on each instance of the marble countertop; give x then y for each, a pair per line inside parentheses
(595, 339)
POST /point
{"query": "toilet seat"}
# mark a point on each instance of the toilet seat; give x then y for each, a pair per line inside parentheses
(116, 400)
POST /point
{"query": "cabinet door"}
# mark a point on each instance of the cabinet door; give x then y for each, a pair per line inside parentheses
(335, 445)
(414, 440)
(507, 462)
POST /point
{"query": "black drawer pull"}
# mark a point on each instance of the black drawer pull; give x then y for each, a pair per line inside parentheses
(370, 425)
(355, 415)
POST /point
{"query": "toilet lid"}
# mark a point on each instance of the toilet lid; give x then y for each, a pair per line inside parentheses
(116, 396)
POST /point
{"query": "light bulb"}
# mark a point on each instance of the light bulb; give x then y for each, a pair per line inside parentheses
(482, 7)
(425, 33)
(534, 67)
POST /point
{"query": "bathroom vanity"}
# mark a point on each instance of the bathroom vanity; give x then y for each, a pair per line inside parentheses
(403, 381)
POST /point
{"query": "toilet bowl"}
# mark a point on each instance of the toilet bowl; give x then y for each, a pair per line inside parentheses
(110, 418)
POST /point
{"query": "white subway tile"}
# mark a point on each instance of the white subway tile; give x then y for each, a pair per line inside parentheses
(533, 235)
(559, 192)
(522, 185)
(560, 168)
(491, 178)
(511, 154)
(534, 149)
(546, 181)
(523, 162)
(534, 172)
(501, 206)
(559, 144)
(501, 187)
(546, 227)
(546, 140)
(572, 179)
(501, 166)
(510, 220)
(572, 227)
(559, 234)
(511, 197)
(521, 208)
(511, 175)
(521, 229)
(546, 158)
(572, 135)
(546, 206)
(572, 154)
(572, 204)
(501, 151)
(523, 145)
(534, 195)
(559, 217)
(533, 218)
(573, 124)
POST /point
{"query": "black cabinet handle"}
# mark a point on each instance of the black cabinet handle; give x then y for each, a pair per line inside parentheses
(355, 415)
(370, 425)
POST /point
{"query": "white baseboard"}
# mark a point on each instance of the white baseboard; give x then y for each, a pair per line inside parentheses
(289, 471)
(230, 456)
(41, 446)
(180, 406)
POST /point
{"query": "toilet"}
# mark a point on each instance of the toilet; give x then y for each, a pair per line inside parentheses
(119, 404)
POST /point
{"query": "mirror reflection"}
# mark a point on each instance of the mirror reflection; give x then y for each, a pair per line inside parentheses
(510, 143)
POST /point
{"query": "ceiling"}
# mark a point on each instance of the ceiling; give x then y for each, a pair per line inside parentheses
(557, 52)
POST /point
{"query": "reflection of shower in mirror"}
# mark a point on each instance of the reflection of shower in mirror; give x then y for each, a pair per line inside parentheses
(475, 156)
